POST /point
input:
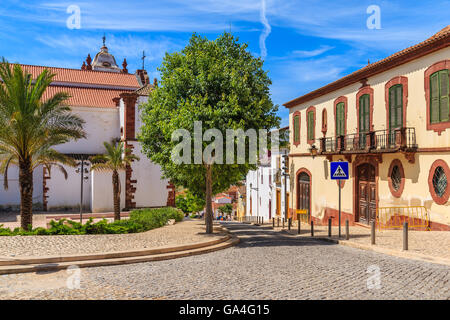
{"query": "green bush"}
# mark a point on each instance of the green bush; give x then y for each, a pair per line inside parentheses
(140, 220)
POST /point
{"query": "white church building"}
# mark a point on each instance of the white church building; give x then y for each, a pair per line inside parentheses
(107, 98)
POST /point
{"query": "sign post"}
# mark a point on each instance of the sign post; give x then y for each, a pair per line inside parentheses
(339, 171)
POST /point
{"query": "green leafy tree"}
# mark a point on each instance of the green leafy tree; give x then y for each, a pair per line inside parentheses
(117, 158)
(30, 126)
(194, 202)
(220, 84)
(181, 203)
(226, 209)
(190, 203)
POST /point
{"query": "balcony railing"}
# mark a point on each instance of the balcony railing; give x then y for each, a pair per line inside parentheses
(374, 141)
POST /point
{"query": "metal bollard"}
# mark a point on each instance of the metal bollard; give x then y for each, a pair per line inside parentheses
(372, 232)
(278, 222)
(405, 235)
(299, 223)
(289, 223)
(283, 223)
(347, 230)
(262, 220)
(273, 223)
(329, 227)
(312, 228)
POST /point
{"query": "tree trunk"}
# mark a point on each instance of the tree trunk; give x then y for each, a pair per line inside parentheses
(116, 195)
(26, 194)
(209, 213)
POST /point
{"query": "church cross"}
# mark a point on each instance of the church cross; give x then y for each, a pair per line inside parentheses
(143, 60)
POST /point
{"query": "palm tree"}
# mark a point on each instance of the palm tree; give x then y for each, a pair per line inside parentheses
(29, 127)
(117, 158)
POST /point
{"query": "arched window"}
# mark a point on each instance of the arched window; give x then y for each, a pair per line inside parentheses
(296, 127)
(437, 94)
(340, 116)
(324, 122)
(311, 124)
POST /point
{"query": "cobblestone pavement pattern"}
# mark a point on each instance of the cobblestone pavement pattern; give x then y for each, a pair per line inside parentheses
(186, 232)
(265, 265)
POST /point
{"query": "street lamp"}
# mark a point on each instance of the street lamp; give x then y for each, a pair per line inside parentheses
(83, 176)
(313, 151)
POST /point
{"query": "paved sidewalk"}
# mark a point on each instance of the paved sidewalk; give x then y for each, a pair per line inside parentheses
(430, 243)
(182, 233)
(266, 264)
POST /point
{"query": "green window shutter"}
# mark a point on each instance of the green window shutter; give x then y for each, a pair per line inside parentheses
(340, 119)
(434, 98)
(444, 95)
(364, 109)
(395, 106)
(297, 129)
(391, 107)
(311, 125)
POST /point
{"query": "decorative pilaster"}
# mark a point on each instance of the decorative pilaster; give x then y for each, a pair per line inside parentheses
(171, 195)
(130, 188)
(45, 189)
(129, 100)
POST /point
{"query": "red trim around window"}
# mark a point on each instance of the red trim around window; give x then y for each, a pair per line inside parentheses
(441, 65)
(396, 193)
(324, 122)
(444, 199)
(296, 113)
(313, 109)
(345, 101)
(365, 90)
(394, 81)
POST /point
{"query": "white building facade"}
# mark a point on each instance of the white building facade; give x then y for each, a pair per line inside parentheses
(107, 99)
(266, 187)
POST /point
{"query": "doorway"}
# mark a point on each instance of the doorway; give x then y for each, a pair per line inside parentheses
(366, 193)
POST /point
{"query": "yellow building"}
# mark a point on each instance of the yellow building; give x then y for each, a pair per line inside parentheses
(391, 121)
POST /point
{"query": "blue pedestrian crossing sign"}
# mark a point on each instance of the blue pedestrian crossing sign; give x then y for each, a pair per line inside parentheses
(339, 170)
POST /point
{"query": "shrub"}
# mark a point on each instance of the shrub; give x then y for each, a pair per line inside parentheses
(140, 220)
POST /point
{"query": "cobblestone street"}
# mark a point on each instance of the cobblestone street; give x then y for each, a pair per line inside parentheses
(265, 265)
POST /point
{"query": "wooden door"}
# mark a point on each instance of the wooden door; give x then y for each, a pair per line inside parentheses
(270, 209)
(278, 202)
(303, 192)
(367, 193)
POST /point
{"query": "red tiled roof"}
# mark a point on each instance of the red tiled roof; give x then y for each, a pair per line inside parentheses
(86, 97)
(87, 88)
(438, 41)
(87, 76)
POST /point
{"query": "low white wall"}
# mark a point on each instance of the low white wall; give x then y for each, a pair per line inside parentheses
(11, 197)
(151, 190)
(66, 193)
(102, 191)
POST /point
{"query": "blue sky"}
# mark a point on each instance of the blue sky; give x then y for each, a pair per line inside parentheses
(306, 43)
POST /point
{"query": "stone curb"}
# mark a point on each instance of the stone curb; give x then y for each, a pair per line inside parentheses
(391, 252)
(396, 253)
(32, 264)
(117, 261)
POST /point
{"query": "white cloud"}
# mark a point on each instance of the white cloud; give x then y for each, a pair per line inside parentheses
(266, 31)
(311, 53)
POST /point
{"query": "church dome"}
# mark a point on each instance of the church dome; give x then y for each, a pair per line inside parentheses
(105, 61)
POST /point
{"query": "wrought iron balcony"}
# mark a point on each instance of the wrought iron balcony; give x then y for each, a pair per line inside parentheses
(401, 139)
